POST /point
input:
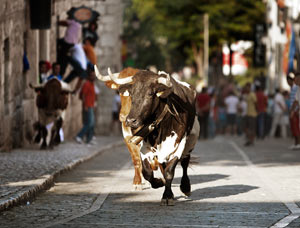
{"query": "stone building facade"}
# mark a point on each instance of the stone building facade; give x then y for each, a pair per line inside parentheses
(17, 101)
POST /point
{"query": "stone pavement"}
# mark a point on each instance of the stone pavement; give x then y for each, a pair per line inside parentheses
(26, 172)
(232, 186)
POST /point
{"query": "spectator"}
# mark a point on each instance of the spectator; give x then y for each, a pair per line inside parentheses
(55, 72)
(90, 32)
(88, 96)
(231, 102)
(285, 118)
(262, 103)
(79, 63)
(202, 107)
(293, 114)
(279, 109)
(221, 112)
(116, 106)
(212, 115)
(250, 124)
(72, 37)
(241, 115)
(43, 72)
(89, 51)
(270, 112)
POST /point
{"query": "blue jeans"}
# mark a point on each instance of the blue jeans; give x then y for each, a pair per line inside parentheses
(261, 122)
(211, 128)
(88, 125)
(77, 71)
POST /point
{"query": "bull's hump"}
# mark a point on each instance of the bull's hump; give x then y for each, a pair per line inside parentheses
(127, 72)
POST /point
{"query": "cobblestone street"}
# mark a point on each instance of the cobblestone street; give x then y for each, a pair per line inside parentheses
(232, 186)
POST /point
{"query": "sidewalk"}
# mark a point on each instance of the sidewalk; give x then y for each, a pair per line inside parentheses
(26, 172)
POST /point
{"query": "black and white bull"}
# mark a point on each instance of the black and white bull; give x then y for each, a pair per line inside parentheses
(52, 100)
(164, 109)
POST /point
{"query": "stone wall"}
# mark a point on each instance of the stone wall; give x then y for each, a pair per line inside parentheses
(17, 101)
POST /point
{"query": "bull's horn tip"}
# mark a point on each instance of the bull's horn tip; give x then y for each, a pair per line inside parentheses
(109, 71)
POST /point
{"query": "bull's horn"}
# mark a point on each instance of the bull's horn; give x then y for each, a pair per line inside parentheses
(165, 81)
(35, 86)
(66, 87)
(119, 81)
(101, 77)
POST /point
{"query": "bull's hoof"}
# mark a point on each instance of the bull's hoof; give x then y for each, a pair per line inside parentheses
(185, 186)
(157, 183)
(43, 147)
(56, 140)
(167, 202)
(137, 187)
(37, 138)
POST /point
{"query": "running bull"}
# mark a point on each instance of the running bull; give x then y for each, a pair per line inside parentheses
(52, 100)
(163, 114)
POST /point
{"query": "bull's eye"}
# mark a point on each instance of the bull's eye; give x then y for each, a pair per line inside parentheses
(150, 94)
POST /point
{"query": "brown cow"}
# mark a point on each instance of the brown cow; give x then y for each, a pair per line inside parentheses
(51, 100)
(134, 149)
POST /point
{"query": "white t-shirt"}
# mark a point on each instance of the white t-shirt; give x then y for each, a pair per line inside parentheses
(231, 104)
(279, 99)
(79, 55)
(243, 107)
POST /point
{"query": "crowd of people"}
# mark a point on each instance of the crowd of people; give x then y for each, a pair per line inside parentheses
(76, 49)
(250, 112)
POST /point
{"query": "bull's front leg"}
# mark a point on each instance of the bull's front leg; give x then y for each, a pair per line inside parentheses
(134, 151)
(149, 176)
(44, 134)
(58, 124)
(168, 172)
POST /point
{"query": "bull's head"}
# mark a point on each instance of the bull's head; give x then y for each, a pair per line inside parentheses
(52, 95)
(113, 81)
(145, 89)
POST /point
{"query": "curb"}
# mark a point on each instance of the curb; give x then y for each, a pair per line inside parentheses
(47, 182)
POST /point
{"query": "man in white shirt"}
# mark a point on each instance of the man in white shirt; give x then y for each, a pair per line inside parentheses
(279, 109)
(78, 61)
(231, 102)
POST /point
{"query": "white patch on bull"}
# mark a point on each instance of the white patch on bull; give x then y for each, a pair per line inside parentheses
(126, 131)
(185, 84)
(192, 138)
(162, 72)
(125, 94)
(165, 81)
(166, 151)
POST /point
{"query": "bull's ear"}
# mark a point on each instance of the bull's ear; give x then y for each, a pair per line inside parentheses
(163, 91)
(111, 85)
